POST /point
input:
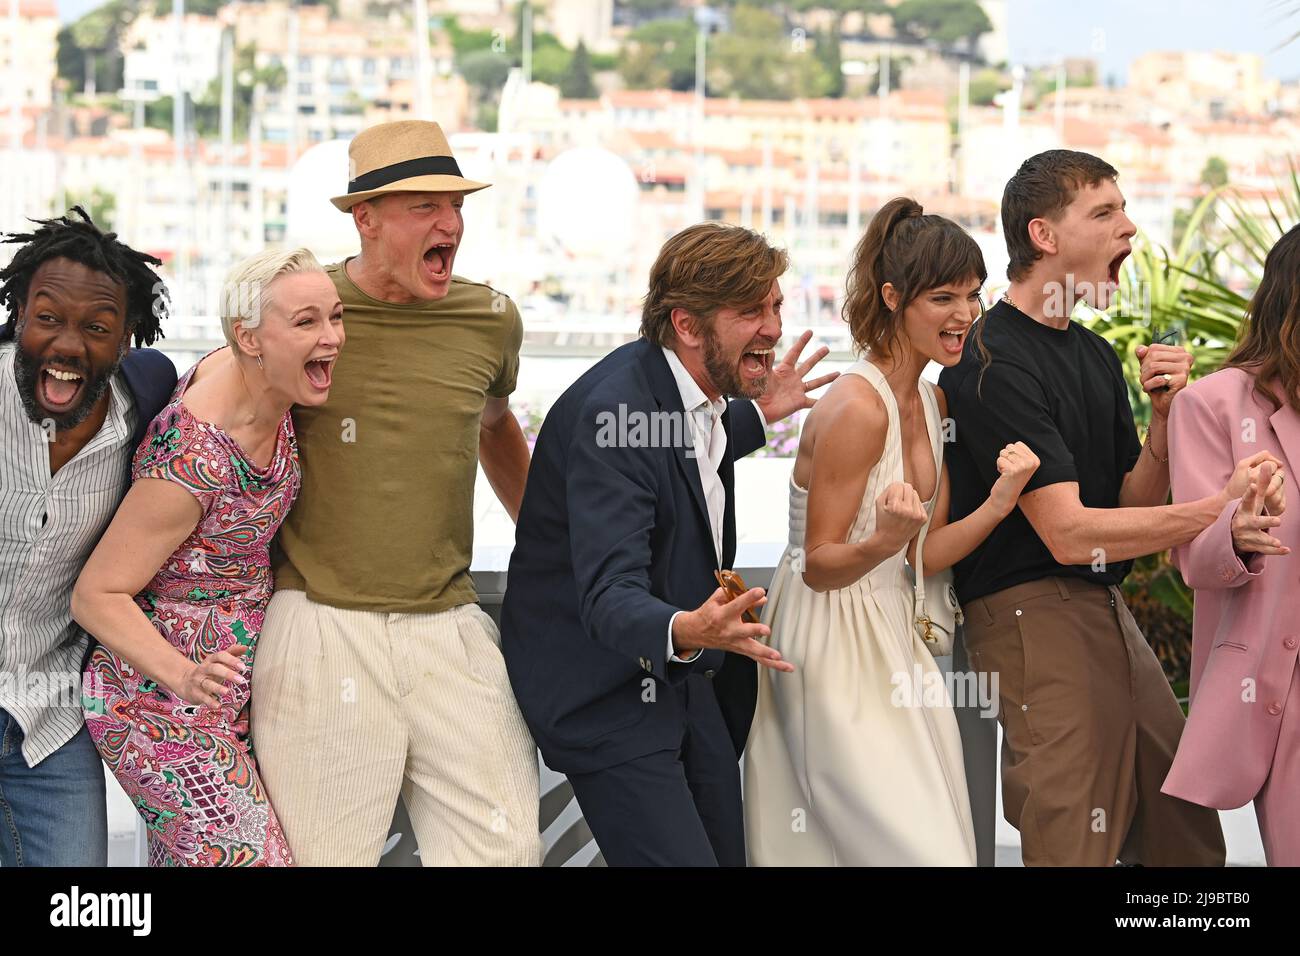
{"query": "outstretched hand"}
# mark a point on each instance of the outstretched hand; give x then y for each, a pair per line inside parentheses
(719, 622)
(787, 389)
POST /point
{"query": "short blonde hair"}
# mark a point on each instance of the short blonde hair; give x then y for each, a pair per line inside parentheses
(244, 293)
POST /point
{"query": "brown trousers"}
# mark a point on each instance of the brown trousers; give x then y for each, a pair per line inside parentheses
(1090, 727)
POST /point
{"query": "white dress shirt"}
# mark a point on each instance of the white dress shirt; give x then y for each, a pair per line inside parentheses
(709, 442)
(49, 524)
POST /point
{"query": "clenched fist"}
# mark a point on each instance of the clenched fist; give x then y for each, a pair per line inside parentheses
(1016, 464)
(899, 514)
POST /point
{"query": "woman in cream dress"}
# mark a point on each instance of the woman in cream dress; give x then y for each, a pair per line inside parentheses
(850, 761)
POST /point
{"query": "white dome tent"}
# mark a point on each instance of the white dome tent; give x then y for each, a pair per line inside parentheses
(311, 221)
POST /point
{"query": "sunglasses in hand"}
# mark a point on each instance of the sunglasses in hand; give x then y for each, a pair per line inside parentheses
(734, 585)
(1170, 337)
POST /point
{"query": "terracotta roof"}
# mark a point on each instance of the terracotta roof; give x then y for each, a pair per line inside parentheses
(1148, 135)
(31, 9)
(907, 105)
(273, 155)
(1231, 129)
(1081, 132)
(649, 99)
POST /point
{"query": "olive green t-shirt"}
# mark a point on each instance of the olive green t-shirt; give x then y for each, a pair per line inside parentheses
(385, 520)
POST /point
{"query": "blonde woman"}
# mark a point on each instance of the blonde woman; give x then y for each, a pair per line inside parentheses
(176, 590)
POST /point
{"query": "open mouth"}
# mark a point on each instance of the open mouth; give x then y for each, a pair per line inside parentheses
(952, 340)
(757, 362)
(437, 261)
(1115, 264)
(320, 372)
(60, 388)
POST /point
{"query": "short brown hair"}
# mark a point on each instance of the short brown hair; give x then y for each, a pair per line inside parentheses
(911, 251)
(1043, 186)
(704, 268)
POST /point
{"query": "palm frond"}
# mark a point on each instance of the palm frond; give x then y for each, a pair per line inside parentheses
(1290, 12)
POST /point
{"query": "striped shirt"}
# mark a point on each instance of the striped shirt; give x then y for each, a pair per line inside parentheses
(49, 524)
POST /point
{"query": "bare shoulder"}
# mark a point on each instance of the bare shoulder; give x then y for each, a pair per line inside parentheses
(853, 400)
(851, 409)
(202, 392)
(158, 504)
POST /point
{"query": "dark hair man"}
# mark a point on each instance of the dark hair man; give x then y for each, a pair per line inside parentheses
(75, 401)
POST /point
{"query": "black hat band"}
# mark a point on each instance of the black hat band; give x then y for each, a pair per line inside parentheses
(424, 166)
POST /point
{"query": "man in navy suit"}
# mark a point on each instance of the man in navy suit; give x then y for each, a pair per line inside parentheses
(75, 401)
(634, 670)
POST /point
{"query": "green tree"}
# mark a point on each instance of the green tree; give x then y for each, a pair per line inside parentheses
(100, 204)
(659, 54)
(246, 75)
(1215, 173)
(828, 54)
(1043, 82)
(578, 83)
(1214, 176)
(650, 6)
(755, 60)
(92, 45)
(944, 21)
(841, 7)
(483, 69)
(465, 42)
(206, 8)
(158, 114)
(551, 64)
(204, 111)
(985, 85)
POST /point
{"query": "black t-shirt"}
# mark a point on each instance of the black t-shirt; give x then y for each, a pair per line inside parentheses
(1062, 393)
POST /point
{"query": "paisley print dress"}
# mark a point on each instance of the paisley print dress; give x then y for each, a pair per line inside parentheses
(190, 770)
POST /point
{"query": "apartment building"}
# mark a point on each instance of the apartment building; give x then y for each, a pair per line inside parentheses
(28, 52)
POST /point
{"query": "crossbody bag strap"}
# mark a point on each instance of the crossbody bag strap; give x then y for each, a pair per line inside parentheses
(936, 446)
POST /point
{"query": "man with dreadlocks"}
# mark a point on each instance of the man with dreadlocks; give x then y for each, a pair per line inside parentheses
(75, 401)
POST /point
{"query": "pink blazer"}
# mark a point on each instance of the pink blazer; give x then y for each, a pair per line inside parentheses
(1246, 626)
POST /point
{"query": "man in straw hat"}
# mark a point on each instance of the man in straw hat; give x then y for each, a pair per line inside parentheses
(379, 674)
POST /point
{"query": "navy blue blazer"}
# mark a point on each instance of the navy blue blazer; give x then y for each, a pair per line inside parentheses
(150, 377)
(612, 541)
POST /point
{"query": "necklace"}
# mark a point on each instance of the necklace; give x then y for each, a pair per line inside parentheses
(1006, 297)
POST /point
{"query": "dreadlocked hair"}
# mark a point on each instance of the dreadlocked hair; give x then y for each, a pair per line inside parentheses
(83, 242)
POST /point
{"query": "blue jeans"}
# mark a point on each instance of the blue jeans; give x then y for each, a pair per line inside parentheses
(53, 814)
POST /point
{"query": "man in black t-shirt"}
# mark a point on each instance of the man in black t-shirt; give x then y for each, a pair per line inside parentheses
(1090, 724)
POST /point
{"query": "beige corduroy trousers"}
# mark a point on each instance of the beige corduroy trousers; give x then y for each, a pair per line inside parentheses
(353, 708)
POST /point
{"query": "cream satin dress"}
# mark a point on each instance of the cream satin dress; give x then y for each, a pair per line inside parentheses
(850, 761)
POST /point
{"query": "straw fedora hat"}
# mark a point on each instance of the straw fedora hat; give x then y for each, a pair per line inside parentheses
(406, 156)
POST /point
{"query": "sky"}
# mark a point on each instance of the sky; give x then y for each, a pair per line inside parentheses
(1117, 31)
(1114, 31)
